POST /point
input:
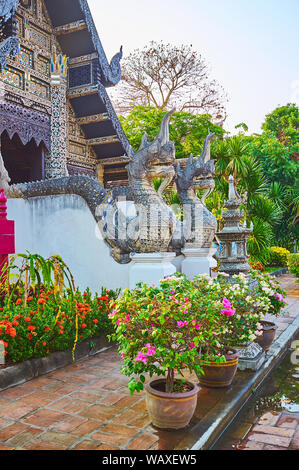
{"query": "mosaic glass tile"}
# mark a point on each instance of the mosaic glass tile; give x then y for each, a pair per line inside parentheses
(13, 77)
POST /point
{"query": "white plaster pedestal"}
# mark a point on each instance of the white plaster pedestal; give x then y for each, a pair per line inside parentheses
(198, 261)
(150, 268)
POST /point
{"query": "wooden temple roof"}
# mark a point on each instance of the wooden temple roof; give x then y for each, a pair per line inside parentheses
(90, 74)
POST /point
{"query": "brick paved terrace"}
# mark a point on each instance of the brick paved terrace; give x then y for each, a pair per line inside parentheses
(86, 406)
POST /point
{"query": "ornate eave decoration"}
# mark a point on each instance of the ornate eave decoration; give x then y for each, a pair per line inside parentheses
(27, 123)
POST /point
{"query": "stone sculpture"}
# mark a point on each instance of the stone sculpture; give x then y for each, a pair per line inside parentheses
(150, 229)
(200, 224)
(139, 225)
(233, 238)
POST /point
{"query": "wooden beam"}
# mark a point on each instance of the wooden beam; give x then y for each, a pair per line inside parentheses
(70, 28)
(92, 119)
(114, 160)
(103, 140)
(82, 91)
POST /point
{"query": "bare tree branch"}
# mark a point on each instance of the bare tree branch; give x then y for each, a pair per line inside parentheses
(167, 76)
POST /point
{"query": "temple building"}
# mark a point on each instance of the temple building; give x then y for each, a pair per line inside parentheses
(56, 118)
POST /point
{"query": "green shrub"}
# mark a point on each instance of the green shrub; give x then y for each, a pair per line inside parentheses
(278, 256)
(293, 264)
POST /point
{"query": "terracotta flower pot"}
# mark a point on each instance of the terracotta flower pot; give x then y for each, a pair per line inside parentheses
(218, 375)
(267, 338)
(170, 410)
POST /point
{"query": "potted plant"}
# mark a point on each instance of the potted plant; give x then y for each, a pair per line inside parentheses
(269, 292)
(158, 335)
(230, 315)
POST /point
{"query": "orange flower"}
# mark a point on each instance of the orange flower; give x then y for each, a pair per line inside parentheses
(47, 328)
(31, 328)
(29, 298)
(96, 321)
(83, 326)
(15, 323)
(41, 301)
(44, 343)
(61, 332)
(18, 302)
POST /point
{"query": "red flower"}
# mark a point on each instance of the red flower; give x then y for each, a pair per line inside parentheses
(30, 336)
(96, 321)
(11, 332)
(31, 328)
(28, 319)
(19, 301)
(83, 326)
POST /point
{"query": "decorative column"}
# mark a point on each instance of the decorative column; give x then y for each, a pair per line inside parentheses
(7, 236)
(150, 268)
(56, 160)
(100, 173)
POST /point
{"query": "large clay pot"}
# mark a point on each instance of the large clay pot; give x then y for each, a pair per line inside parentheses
(170, 410)
(218, 375)
(267, 338)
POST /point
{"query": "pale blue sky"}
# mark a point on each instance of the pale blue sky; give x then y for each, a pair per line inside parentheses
(251, 46)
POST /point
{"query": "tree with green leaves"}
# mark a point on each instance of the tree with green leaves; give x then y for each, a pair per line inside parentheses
(188, 131)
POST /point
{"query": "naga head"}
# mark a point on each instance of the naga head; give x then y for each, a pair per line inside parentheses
(154, 159)
(199, 172)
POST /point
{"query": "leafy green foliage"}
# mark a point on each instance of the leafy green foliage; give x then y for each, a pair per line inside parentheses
(293, 264)
(188, 131)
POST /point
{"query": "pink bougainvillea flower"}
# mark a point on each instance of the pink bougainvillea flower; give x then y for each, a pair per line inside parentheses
(181, 323)
(151, 351)
(279, 297)
(226, 303)
(191, 345)
(141, 358)
(229, 312)
(128, 318)
(122, 354)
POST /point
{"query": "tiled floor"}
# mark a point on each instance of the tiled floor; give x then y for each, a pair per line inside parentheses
(86, 405)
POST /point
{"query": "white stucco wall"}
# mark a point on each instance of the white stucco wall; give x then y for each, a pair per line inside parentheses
(64, 225)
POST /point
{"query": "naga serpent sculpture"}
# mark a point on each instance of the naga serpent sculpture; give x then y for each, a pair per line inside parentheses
(151, 228)
(200, 224)
(152, 225)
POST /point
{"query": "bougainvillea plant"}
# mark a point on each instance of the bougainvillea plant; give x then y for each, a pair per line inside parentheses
(230, 310)
(157, 332)
(268, 289)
